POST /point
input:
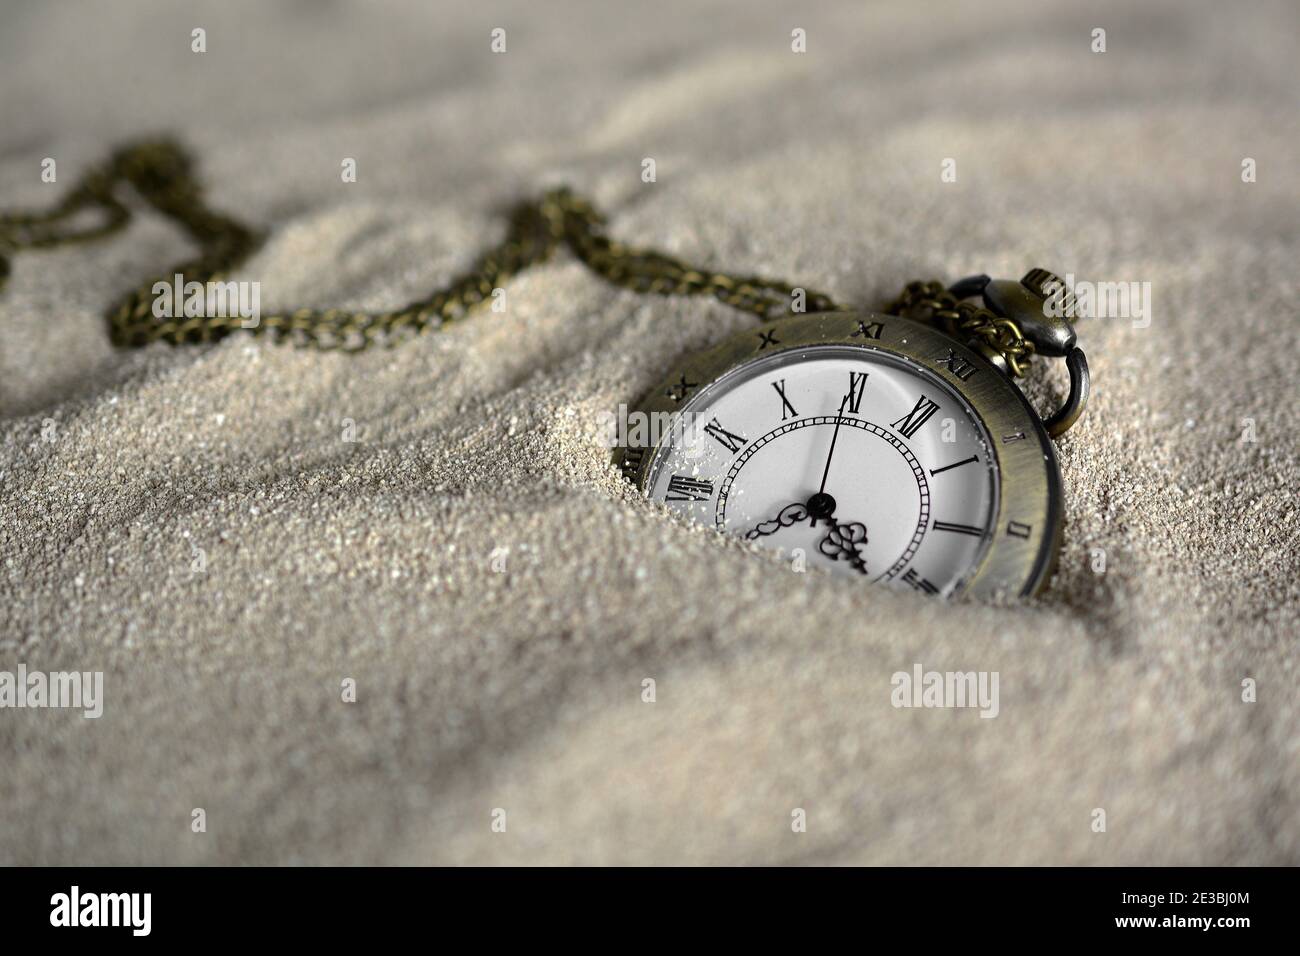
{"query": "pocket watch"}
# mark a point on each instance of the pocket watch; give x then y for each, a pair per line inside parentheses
(892, 447)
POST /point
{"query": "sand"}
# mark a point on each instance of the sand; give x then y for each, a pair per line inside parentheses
(193, 523)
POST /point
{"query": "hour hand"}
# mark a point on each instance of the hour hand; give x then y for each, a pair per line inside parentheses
(789, 515)
(843, 542)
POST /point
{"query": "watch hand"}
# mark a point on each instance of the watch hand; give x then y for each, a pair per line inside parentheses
(819, 507)
(822, 505)
(834, 435)
(845, 540)
(790, 515)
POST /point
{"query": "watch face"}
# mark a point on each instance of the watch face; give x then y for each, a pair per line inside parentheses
(869, 445)
(854, 460)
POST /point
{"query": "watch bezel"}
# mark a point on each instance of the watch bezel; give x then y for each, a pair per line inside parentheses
(1016, 562)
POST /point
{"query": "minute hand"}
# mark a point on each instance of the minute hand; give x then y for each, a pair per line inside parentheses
(831, 454)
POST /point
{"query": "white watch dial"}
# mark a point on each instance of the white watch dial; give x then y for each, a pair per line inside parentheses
(846, 458)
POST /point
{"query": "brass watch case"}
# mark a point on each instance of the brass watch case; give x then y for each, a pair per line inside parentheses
(1026, 532)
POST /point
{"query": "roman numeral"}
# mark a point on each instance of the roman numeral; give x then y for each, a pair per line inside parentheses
(918, 416)
(871, 331)
(785, 402)
(632, 458)
(955, 464)
(729, 441)
(683, 488)
(857, 383)
(958, 528)
(681, 389)
(958, 365)
(919, 583)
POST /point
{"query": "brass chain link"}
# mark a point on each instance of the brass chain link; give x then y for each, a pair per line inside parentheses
(964, 321)
(162, 174)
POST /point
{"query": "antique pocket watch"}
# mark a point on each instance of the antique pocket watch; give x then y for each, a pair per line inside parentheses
(892, 447)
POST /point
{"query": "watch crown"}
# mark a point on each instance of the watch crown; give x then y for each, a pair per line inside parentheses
(1041, 282)
(1040, 304)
